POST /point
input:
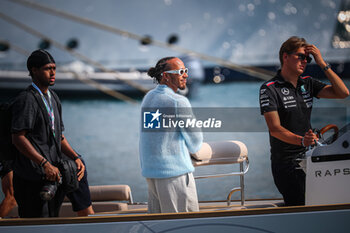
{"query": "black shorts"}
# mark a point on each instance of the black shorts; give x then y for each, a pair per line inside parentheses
(5, 168)
(81, 198)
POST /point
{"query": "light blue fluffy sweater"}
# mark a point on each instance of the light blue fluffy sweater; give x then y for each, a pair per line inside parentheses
(165, 153)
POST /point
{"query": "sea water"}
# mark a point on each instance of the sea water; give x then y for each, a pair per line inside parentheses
(106, 133)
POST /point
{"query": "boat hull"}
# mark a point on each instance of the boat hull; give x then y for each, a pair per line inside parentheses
(333, 218)
(67, 84)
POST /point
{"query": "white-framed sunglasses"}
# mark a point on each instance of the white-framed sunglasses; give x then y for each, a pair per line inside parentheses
(179, 72)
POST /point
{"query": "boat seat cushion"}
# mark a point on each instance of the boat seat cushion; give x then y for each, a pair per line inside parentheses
(101, 193)
(223, 152)
(67, 211)
(104, 199)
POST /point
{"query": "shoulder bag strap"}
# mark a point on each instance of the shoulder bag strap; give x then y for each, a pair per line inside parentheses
(47, 120)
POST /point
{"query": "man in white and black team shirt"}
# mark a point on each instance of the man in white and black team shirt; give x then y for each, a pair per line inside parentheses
(286, 102)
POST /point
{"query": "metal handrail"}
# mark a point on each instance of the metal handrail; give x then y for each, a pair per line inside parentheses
(230, 194)
(226, 174)
(244, 168)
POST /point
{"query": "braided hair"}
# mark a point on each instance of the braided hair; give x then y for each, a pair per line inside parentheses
(161, 66)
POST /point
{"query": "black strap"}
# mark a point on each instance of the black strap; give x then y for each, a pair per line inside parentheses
(46, 117)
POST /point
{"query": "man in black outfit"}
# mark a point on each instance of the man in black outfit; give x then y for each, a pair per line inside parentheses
(37, 134)
(286, 102)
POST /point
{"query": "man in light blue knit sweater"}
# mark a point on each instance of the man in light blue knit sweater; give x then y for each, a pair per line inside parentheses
(165, 153)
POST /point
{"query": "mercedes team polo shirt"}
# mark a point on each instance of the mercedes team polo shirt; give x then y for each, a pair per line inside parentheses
(294, 107)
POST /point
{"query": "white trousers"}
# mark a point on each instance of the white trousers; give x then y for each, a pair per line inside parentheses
(172, 195)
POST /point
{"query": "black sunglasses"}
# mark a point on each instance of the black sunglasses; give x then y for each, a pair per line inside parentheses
(302, 57)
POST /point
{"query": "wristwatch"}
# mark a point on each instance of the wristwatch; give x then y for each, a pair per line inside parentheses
(326, 67)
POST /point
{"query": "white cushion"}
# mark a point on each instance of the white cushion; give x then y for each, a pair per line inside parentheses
(221, 152)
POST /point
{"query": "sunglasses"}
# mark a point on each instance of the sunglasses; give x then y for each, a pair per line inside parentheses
(302, 57)
(179, 72)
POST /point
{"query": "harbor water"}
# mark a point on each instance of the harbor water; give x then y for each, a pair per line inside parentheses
(106, 133)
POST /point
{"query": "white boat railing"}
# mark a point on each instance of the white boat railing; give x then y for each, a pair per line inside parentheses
(224, 152)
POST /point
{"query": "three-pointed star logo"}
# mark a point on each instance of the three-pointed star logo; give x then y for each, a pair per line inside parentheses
(156, 115)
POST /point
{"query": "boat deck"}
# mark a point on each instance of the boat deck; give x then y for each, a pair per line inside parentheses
(205, 206)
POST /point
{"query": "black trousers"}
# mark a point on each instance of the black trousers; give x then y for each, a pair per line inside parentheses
(290, 182)
(30, 205)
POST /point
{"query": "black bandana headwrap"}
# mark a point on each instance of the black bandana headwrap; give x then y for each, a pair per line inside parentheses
(39, 58)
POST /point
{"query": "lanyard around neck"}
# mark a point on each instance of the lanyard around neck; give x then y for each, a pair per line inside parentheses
(49, 107)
